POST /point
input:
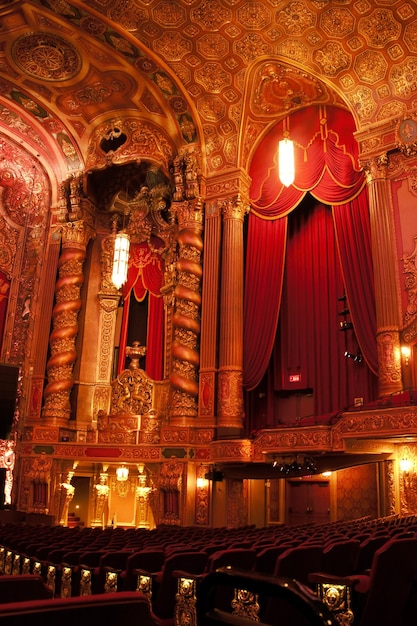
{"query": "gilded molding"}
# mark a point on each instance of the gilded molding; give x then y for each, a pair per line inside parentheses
(294, 440)
(125, 139)
(107, 324)
(401, 421)
(410, 283)
(230, 398)
(236, 450)
(389, 358)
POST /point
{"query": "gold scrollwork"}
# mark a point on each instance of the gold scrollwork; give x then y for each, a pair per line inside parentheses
(245, 604)
(338, 600)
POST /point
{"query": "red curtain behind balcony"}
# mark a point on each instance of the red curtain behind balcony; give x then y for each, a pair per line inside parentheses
(327, 169)
(145, 276)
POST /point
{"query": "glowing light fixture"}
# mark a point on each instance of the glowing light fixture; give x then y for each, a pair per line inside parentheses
(286, 166)
(122, 473)
(406, 352)
(405, 465)
(120, 259)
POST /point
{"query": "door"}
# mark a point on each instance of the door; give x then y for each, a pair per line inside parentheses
(307, 502)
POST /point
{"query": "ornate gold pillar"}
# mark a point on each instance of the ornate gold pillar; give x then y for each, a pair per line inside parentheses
(187, 292)
(75, 234)
(385, 274)
(210, 313)
(230, 392)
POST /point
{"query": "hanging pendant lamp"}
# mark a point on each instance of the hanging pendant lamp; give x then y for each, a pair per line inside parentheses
(120, 259)
(286, 166)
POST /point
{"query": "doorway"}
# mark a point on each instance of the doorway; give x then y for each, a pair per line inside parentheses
(78, 509)
(307, 502)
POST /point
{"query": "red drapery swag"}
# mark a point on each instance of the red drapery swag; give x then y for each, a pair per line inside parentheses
(145, 276)
(327, 168)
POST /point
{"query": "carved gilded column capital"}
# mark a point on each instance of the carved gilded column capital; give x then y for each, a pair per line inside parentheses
(234, 208)
(190, 214)
(76, 234)
(376, 168)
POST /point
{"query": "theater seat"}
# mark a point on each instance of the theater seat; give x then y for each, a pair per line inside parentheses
(165, 584)
(386, 596)
(23, 587)
(265, 601)
(109, 608)
(299, 562)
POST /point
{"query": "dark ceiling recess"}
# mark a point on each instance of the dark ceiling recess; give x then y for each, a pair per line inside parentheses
(324, 463)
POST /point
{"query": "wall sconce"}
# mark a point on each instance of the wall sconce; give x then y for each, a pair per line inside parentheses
(405, 465)
(202, 482)
(120, 259)
(122, 473)
(406, 352)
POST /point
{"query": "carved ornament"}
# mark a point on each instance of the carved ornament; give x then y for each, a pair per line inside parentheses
(123, 140)
(406, 134)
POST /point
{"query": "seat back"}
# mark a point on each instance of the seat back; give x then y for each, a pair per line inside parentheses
(119, 608)
(280, 601)
(163, 602)
(22, 587)
(299, 562)
(241, 558)
(340, 557)
(367, 550)
(392, 596)
(267, 558)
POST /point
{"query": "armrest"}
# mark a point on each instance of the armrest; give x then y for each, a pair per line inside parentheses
(144, 572)
(178, 573)
(323, 577)
(110, 568)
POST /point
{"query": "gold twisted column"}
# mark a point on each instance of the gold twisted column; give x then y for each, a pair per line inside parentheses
(75, 236)
(230, 391)
(186, 317)
(385, 275)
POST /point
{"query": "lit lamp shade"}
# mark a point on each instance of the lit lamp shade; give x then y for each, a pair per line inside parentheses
(120, 259)
(286, 168)
(122, 473)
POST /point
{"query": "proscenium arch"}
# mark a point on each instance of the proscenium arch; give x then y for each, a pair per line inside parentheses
(260, 113)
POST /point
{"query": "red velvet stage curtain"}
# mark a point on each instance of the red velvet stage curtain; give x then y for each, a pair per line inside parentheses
(353, 234)
(4, 302)
(145, 276)
(259, 282)
(310, 341)
(327, 168)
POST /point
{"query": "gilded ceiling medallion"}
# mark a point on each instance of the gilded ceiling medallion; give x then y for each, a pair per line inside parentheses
(46, 56)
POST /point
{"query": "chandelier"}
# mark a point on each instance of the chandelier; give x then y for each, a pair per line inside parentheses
(120, 259)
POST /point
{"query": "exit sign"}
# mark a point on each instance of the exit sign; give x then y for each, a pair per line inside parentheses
(294, 378)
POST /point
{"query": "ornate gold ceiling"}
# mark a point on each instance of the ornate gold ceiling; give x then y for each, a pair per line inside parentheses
(211, 72)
